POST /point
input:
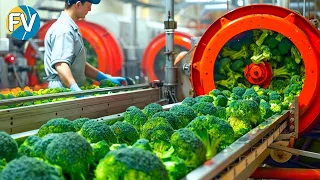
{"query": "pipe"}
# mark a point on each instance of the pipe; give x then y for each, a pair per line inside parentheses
(304, 8)
(286, 173)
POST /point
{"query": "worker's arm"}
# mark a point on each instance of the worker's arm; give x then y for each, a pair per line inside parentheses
(66, 76)
(94, 73)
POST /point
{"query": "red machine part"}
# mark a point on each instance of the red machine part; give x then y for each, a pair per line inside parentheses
(292, 25)
(286, 173)
(259, 74)
(10, 58)
(154, 48)
(109, 52)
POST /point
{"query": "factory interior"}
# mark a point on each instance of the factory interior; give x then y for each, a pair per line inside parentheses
(160, 89)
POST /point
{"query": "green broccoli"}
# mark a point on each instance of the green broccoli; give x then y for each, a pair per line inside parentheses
(100, 150)
(135, 116)
(131, 163)
(214, 93)
(240, 127)
(265, 110)
(95, 131)
(204, 108)
(58, 125)
(221, 100)
(262, 53)
(226, 93)
(143, 144)
(106, 83)
(279, 37)
(72, 152)
(296, 79)
(239, 91)
(264, 35)
(189, 147)
(250, 94)
(118, 146)
(176, 168)
(125, 132)
(151, 109)
(238, 66)
(24, 94)
(40, 147)
(9, 147)
(174, 121)
(277, 85)
(227, 51)
(220, 112)
(223, 66)
(256, 33)
(214, 132)
(3, 164)
(204, 98)
(28, 145)
(246, 110)
(28, 168)
(79, 122)
(271, 41)
(284, 46)
(295, 54)
(184, 113)
(243, 53)
(189, 101)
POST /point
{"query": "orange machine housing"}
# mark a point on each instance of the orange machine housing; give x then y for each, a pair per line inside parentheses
(109, 52)
(295, 27)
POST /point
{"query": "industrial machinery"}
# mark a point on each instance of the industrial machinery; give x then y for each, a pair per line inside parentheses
(275, 136)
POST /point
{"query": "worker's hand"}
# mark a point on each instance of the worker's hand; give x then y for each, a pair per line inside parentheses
(117, 80)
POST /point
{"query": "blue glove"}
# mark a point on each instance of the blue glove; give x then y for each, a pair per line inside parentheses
(75, 87)
(115, 80)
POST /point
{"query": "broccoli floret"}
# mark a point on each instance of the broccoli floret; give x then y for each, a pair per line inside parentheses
(58, 125)
(184, 113)
(237, 66)
(227, 51)
(188, 147)
(271, 41)
(295, 54)
(3, 164)
(214, 93)
(28, 145)
(24, 94)
(174, 121)
(264, 35)
(276, 106)
(143, 144)
(263, 53)
(204, 98)
(135, 116)
(296, 79)
(72, 152)
(274, 96)
(214, 132)
(284, 46)
(256, 33)
(245, 110)
(279, 37)
(239, 91)
(265, 110)
(40, 146)
(28, 168)
(221, 101)
(243, 53)
(125, 132)
(240, 127)
(100, 150)
(176, 168)
(220, 112)
(226, 93)
(204, 108)
(189, 101)
(9, 147)
(223, 66)
(278, 86)
(106, 83)
(118, 146)
(131, 163)
(151, 109)
(283, 72)
(250, 94)
(79, 122)
(95, 131)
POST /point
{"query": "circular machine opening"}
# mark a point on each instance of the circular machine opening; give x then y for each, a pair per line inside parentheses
(160, 61)
(260, 58)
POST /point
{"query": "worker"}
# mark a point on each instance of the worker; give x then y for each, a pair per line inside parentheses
(65, 54)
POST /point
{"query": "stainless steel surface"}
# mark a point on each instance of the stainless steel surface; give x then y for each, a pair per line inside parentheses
(296, 151)
(28, 118)
(4, 46)
(296, 117)
(222, 160)
(69, 94)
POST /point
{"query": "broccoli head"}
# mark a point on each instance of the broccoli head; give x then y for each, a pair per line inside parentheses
(184, 113)
(118, 146)
(135, 116)
(204, 108)
(226, 93)
(243, 53)
(189, 101)
(265, 110)
(40, 147)
(204, 98)
(143, 144)
(239, 91)
(240, 127)
(79, 122)
(250, 94)
(262, 53)
(28, 145)
(125, 132)
(100, 150)
(284, 46)
(95, 131)
(220, 112)
(245, 110)
(9, 147)
(174, 121)
(72, 152)
(151, 109)
(106, 83)
(29, 168)
(227, 51)
(189, 147)
(58, 125)
(176, 168)
(221, 100)
(131, 163)
(263, 36)
(214, 132)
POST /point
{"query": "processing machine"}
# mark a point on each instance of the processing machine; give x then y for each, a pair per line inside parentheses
(193, 75)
